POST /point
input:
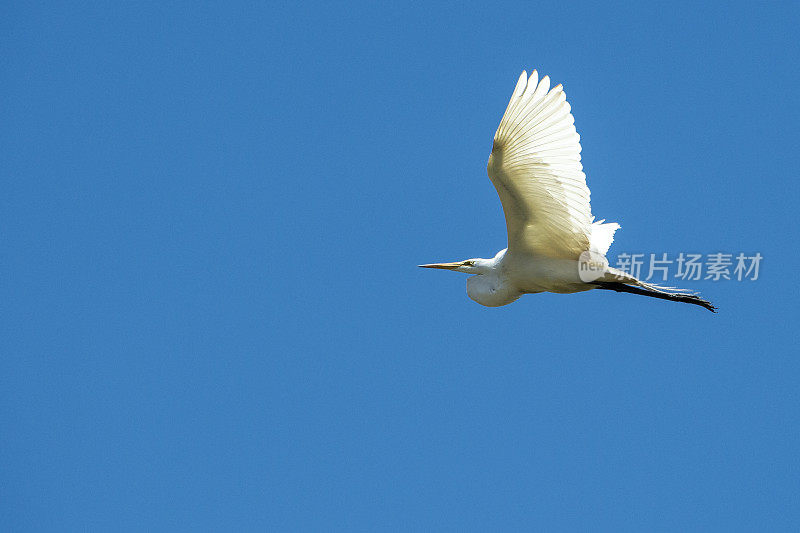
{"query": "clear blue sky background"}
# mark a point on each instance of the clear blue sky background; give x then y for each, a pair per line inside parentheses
(211, 313)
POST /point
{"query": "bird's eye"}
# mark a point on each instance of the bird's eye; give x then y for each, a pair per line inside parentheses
(469, 263)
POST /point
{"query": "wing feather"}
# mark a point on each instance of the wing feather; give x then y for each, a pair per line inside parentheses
(535, 167)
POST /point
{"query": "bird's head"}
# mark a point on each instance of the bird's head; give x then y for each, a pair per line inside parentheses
(468, 266)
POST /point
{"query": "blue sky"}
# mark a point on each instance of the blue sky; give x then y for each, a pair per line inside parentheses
(212, 317)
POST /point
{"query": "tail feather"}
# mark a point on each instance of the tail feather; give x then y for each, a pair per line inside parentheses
(602, 236)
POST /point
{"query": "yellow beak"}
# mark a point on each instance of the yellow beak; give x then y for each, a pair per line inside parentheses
(444, 266)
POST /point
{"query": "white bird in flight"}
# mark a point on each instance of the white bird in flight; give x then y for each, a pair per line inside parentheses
(554, 244)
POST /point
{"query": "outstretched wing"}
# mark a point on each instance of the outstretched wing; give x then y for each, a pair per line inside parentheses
(536, 168)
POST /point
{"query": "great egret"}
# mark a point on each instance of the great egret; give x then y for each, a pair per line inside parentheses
(554, 244)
